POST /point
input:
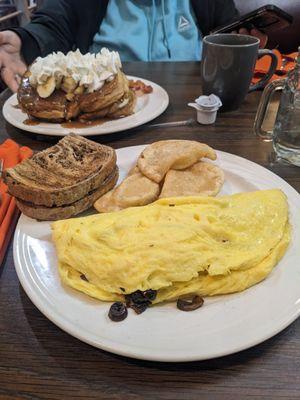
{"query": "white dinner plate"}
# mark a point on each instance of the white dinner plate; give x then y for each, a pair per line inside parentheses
(224, 325)
(147, 108)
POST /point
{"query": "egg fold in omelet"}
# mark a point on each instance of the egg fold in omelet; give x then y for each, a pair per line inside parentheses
(177, 246)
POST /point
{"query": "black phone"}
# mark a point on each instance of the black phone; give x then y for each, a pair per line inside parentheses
(266, 19)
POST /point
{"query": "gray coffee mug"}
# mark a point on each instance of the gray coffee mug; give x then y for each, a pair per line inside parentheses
(227, 67)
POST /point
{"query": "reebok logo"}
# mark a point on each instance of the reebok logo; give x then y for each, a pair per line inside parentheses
(183, 24)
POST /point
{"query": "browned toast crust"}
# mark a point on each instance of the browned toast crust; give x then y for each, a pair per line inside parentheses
(55, 213)
(61, 174)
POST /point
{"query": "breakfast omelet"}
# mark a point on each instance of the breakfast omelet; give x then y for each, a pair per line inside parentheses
(176, 246)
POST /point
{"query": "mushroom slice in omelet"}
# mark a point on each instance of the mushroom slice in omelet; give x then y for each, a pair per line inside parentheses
(176, 246)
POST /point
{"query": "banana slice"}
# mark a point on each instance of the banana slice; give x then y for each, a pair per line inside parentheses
(68, 84)
(70, 96)
(47, 88)
(58, 81)
(79, 90)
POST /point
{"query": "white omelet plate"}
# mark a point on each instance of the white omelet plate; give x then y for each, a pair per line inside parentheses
(147, 108)
(224, 325)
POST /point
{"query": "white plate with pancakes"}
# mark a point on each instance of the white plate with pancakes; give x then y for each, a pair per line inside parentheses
(148, 107)
(224, 325)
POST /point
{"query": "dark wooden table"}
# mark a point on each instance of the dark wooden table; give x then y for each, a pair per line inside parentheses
(39, 361)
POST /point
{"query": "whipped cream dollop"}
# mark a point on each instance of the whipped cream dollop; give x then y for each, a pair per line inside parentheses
(88, 70)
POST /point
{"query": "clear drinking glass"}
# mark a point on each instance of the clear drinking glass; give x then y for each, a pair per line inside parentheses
(286, 132)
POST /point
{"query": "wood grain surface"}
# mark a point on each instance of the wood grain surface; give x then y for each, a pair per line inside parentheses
(39, 361)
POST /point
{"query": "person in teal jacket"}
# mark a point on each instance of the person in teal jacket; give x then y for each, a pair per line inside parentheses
(140, 30)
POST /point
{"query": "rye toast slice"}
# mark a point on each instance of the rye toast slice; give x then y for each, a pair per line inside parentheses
(42, 213)
(61, 174)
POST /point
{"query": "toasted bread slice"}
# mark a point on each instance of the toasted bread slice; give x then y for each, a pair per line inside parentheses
(51, 109)
(121, 108)
(63, 173)
(55, 213)
(110, 93)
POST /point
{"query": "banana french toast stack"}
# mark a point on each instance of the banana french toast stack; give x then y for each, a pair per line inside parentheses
(113, 100)
(63, 180)
(59, 88)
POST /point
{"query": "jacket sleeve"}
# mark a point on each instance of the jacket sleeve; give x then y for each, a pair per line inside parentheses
(52, 28)
(213, 13)
(56, 27)
(225, 13)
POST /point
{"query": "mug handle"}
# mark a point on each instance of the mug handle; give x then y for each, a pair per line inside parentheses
(269, 74)
(262, 109)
